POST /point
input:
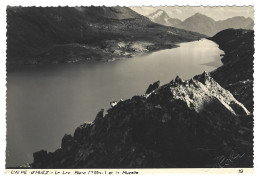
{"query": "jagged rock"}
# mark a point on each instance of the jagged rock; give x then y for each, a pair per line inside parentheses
(99, 115)
(82, 132)
(68, 143)
(40, 155)
(178, 80)
(204, 77)
(180, 124)
(40, 158)
(152, 87)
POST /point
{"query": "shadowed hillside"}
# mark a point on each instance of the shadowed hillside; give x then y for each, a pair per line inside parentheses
(33, 33)
(236, 74)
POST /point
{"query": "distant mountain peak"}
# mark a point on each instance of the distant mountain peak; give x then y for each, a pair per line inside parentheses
(200, 16)
(158, 13)
(161, 17)
(158, 10)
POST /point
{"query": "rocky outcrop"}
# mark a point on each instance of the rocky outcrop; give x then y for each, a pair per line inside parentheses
(152, 87)
(185, 123)
(236, 75)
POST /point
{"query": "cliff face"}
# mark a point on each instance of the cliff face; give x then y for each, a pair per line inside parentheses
(236, 75)
(185, 123)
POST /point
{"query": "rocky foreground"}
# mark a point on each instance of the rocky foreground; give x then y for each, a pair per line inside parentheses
(183, 124)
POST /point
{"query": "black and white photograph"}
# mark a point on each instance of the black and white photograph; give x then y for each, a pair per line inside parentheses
(129, 87)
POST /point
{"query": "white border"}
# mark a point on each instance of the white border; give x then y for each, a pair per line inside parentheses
(147, 180)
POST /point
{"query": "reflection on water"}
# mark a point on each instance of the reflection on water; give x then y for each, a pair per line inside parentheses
(45, 102)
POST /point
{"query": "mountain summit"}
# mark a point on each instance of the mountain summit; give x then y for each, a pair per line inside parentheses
(161, 17)
(199, 23)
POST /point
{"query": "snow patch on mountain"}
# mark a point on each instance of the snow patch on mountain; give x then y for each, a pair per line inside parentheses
(156, 14)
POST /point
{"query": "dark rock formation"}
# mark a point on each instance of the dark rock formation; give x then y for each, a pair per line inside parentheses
(185, 123)
(41, 156)
(236, 75)
(152, 87)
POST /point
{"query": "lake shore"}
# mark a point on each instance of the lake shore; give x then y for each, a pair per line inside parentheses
(78, 53)
(69, 94)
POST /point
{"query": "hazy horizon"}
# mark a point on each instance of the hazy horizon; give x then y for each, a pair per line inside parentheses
(183, 13)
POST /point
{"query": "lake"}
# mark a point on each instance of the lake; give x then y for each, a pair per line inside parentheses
(45, 102)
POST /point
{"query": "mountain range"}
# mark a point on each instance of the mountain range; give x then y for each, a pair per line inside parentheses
(201, 23)
(37, 35)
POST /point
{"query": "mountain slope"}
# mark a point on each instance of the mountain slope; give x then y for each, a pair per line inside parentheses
(236, 74)
(33, 31)
(238, 22)
(250, 26)
(199, 23)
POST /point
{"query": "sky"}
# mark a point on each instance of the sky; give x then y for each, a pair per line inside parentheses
(217, 13)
